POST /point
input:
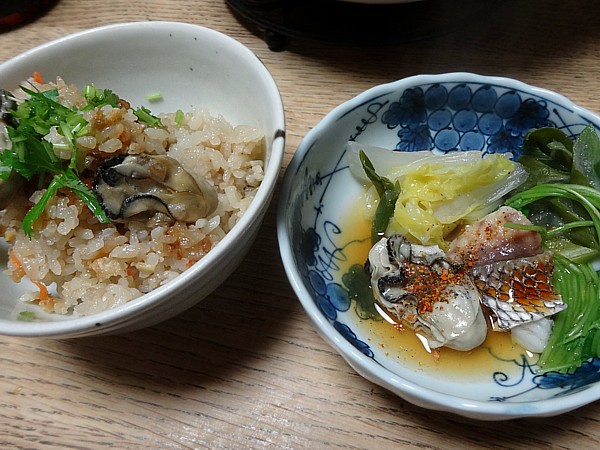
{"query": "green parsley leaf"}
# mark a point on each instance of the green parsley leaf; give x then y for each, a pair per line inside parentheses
(31, 155)
(100, 97)
(70, 180)
(38, 209)
(67, 179)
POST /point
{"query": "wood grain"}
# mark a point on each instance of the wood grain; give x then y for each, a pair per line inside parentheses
(245, 368)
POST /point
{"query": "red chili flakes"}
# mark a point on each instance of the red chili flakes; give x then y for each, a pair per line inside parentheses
(428, 286)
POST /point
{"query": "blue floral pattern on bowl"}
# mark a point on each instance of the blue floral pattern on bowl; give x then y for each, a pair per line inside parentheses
(445, 113)
(464, 117)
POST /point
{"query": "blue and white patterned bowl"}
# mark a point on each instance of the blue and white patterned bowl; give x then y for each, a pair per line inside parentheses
(457, 111)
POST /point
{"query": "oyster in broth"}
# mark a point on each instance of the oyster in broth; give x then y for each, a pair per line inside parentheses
(421, 288)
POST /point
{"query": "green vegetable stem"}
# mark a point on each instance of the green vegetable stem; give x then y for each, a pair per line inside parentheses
(388, 195)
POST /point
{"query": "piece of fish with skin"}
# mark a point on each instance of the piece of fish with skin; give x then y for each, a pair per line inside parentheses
(509, 267)
(419, 287)
(513, 275)
(488, 240)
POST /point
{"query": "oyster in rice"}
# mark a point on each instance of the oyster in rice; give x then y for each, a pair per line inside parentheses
(152, 185)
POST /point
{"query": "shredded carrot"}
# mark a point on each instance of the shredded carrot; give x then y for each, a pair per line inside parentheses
(41, 286)
(43, 291)
(37, 77)
(16, 261)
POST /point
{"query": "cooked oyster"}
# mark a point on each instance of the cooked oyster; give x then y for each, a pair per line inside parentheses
(7, 104)
(132, 185)
(13, 183)
(419, 287)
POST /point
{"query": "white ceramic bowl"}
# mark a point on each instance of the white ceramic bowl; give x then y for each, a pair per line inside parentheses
(190, 66)
(439, 112)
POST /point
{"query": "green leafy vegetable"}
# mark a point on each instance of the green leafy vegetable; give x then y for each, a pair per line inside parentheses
(29, 155)
(358, 282)
(552, 158)
(32, 156)
(576, 333)
(569, 250)
(551, 146)
(563, 202)
(586, 158)
(586, 197)
(388, 195)
(70, 180)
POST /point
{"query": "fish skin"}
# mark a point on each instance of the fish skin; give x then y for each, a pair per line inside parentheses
(519, 290)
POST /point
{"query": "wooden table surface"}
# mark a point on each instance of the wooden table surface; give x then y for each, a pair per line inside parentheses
(245, 368)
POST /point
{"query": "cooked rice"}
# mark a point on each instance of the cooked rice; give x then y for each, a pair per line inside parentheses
(94, 266)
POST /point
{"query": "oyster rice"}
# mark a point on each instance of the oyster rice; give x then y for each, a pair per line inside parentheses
(118, 201)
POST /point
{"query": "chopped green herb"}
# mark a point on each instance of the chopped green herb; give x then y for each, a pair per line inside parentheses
(70, 180)
(154, 97)
(144, 115)
(100, 97)
(179, 117)
(26, 316)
